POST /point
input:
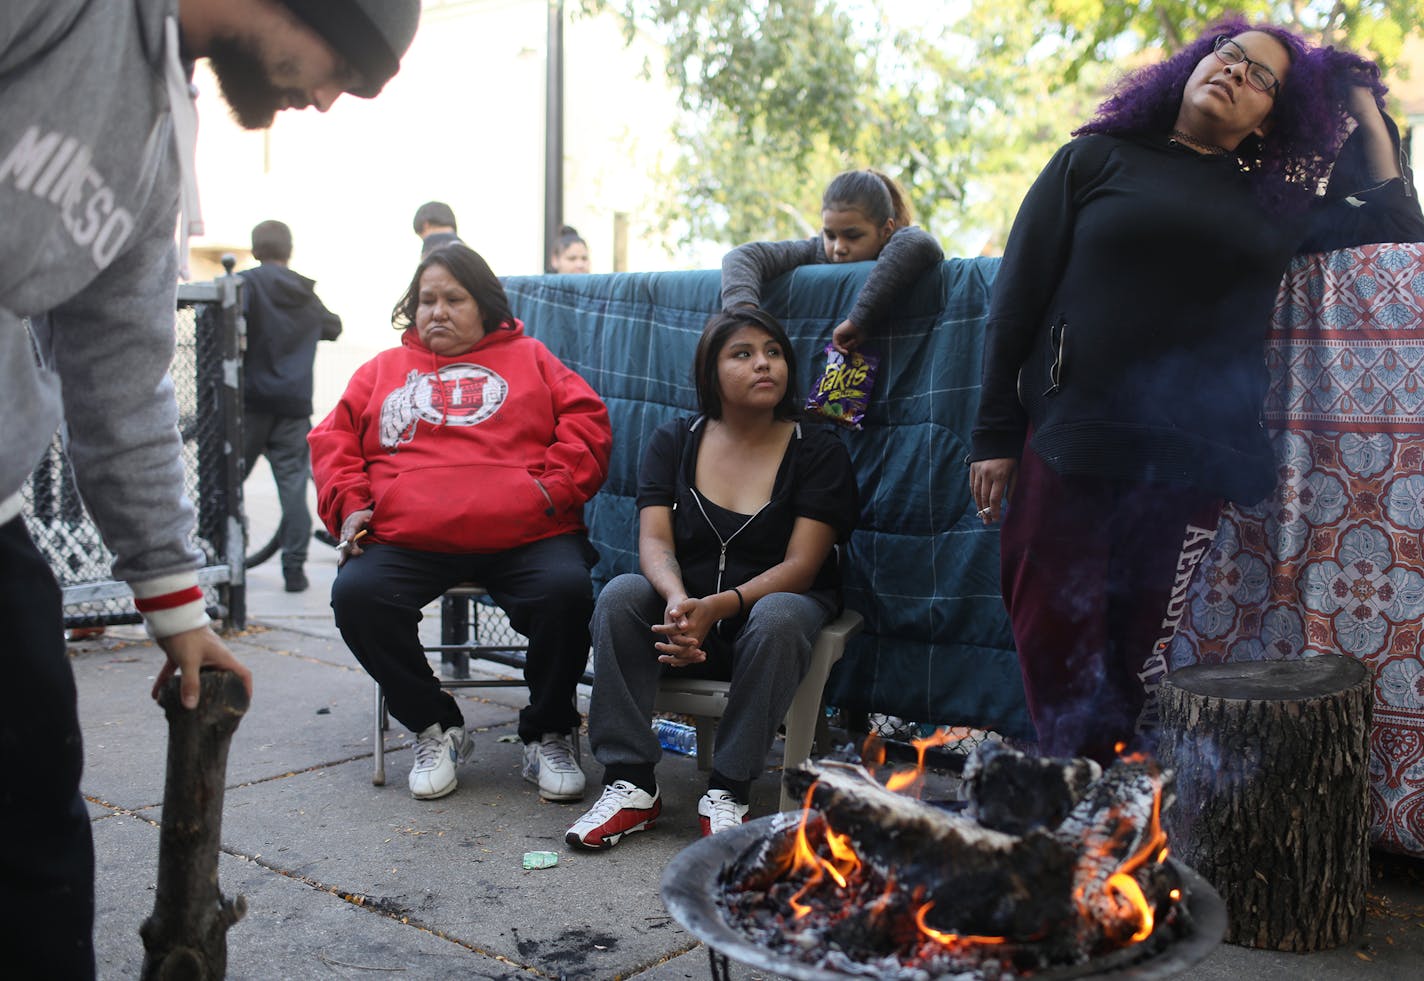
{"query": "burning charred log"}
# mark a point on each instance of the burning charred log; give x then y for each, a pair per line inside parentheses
(1003, 885)
(869, 882)
(1014, 793)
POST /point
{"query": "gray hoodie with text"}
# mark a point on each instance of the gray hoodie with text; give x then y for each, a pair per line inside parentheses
(89, 190)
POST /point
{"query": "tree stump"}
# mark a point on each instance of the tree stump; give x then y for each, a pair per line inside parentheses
(185, 937)
(1272, 778)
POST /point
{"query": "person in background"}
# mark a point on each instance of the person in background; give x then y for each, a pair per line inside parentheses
(865, 218)
(285, 319)
(1124, 363)
(740, 513)
(466, 453)
(97, 129)
(570, 253)
(434, 222)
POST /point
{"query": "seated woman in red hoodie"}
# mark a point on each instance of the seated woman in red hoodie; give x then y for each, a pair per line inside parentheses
(466, 453)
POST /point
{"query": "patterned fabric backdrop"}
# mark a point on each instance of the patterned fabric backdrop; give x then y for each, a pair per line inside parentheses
(1333, 562)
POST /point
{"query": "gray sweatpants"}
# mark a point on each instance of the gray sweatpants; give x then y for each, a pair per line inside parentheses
(769, 658)
(283, 439)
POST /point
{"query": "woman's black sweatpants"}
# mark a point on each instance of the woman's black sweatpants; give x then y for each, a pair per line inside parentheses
(544, 587)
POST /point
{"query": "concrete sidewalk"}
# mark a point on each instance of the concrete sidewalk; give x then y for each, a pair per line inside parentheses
(344, 879)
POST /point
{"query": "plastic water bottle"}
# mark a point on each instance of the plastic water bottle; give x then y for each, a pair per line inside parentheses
(676, 737)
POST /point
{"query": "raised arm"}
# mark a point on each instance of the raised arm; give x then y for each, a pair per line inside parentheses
(747, 268)
(909, 253)
(1378, 147)
(1371, 195)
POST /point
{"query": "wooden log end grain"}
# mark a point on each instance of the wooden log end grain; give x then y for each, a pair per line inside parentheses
(1272, 776)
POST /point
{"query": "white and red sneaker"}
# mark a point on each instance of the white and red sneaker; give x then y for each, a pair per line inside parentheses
(622, 809)
(719, 810)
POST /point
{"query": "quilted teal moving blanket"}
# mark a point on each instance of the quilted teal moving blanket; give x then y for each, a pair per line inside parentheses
(921, 568)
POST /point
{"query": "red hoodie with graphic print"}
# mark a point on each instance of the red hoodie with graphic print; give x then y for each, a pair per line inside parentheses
(481, 452)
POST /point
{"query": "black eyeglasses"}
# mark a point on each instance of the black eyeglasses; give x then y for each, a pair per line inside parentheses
(1258, 76)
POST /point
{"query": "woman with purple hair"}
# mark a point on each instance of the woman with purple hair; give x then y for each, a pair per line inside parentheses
(1124, 369)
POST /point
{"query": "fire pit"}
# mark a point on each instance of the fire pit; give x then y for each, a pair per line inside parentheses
(941, 896)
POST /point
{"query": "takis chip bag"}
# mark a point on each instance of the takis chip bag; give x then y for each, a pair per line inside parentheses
(843, 390)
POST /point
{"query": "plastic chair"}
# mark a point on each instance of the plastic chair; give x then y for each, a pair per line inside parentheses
(805, 722)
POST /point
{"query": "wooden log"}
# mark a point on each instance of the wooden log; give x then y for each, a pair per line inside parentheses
(185, 937)
(982, 882)
(1015, 793)
(1272, 770)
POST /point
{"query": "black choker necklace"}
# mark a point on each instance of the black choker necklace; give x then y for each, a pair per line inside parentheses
(1212, 149)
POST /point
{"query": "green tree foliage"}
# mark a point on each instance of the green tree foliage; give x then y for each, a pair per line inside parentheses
(1374, 27)
(962, 107)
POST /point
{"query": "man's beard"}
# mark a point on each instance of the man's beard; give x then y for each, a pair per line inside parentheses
(246, 87)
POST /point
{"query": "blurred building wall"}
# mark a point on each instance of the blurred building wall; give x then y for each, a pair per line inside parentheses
(463, 123)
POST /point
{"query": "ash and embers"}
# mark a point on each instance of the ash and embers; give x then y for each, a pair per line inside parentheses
(1056, 869)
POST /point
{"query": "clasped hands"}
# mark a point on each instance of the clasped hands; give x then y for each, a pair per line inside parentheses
(686, 623)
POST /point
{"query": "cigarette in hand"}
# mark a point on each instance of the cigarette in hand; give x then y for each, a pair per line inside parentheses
(346, 543)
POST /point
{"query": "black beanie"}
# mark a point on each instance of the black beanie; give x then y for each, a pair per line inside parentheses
(372, 35)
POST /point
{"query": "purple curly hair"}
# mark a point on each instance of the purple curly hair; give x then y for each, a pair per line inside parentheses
(1308, 121)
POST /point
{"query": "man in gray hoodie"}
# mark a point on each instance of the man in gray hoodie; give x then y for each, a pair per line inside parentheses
(97, 128)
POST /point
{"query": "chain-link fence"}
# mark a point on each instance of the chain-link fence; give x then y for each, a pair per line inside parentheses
(207, 379)
(473, 626)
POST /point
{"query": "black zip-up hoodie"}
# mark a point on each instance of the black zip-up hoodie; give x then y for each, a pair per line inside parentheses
(285, 319)
(1129, 317)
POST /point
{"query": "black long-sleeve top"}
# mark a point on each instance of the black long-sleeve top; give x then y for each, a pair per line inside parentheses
(816, 480)
(1129, 316)
(908, 253)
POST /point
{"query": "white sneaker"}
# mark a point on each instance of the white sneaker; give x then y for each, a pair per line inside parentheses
(623, 809)
(719, 811)
(436, 756)
(550, 764)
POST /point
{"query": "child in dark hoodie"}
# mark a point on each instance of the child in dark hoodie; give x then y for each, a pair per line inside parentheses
(285, 319)
(865, 218)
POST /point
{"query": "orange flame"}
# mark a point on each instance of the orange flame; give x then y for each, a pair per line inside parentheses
(1122, 890)
(805, 859)
(1121, 903)
(949, 939)
(1131, 903)
(1153, 840)
(872, 753)
(844, 854)
(903, 779)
